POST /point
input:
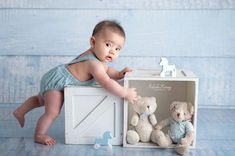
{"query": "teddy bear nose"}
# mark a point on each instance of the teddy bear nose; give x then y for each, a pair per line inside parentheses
(178, 114)
(147, 106)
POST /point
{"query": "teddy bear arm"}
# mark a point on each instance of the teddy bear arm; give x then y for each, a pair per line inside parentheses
(134, 119)
(162, 124)
(187, 140)
(189, 134)
(152, 119)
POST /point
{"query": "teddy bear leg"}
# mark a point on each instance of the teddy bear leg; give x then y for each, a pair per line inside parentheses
(160, 138)
(132, 137)
(181, 149)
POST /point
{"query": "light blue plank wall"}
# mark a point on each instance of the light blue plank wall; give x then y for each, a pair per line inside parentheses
(149, 33)
(20, 75)
(121, 4)
(36, 35)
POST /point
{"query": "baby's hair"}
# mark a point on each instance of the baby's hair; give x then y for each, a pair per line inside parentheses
(110, 24)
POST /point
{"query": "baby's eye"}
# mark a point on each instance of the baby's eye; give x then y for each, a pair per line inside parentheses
(118, 49)
(108, 45)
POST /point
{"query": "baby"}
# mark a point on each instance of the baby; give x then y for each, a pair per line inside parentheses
(106, 42)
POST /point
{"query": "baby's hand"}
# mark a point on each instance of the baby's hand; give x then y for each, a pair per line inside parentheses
(131, 95)
(123, 72)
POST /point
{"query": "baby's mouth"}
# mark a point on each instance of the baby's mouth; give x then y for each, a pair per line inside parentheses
(108, 58)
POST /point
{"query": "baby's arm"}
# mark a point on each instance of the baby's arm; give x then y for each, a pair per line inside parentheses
(98, 72)
(116, 75)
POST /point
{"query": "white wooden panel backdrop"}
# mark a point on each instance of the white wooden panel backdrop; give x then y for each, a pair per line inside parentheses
(198, 35)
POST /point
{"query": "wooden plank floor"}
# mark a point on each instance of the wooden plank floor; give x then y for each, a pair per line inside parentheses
(215, 136)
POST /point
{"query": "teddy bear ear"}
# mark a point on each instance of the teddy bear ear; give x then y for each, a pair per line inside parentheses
(153, 98)
(190, 108)
(173, 105)
(138, 97)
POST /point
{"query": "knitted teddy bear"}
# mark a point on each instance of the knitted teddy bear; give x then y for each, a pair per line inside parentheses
(180, 132)
(142, 120)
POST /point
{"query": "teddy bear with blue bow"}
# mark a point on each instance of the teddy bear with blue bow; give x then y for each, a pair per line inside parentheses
(142, 120)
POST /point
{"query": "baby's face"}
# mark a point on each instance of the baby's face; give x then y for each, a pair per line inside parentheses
(107, 45)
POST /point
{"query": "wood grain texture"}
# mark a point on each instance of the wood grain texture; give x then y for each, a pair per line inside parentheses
(204, 33)
(20, 75)
(197, 35)
(210, 140)
(121, 4)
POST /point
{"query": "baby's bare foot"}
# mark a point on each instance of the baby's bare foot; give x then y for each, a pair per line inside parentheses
(44, 139)
(20, 117)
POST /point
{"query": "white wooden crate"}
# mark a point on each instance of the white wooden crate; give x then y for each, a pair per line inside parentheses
(183, 87)
(89, 112)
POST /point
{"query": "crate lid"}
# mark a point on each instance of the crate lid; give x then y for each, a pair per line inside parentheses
(155, 74)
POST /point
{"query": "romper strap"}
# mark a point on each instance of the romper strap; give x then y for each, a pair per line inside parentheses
(84, 58)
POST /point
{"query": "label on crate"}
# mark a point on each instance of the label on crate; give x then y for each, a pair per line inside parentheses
(159, 87)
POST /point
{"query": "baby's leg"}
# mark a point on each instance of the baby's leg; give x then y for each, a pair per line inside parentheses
(53, 101)
(29, 104)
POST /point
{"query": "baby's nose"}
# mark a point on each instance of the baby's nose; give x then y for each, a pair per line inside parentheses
(111, 51)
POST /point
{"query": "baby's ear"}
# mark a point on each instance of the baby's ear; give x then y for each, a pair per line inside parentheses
(190, 108)
(92, 41)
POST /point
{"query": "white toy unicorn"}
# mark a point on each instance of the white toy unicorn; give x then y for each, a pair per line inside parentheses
(170, 69)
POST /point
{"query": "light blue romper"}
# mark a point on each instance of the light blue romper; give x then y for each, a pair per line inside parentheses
(179, 129)
(59, 77)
